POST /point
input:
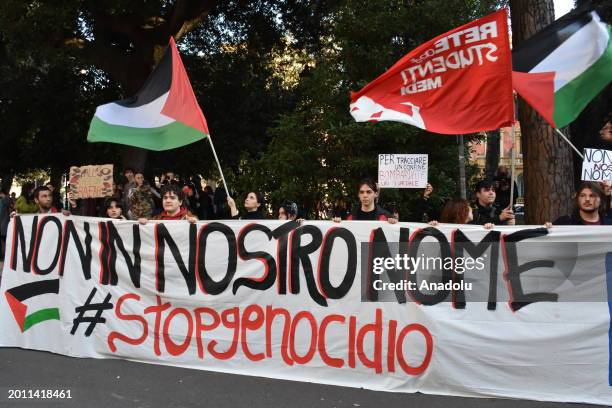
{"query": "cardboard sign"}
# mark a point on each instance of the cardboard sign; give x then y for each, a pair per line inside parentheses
(91, 181)
(402, 170)
(597, 165)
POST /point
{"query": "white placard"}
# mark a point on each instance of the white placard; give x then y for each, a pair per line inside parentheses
(597, 165)
(402, 170)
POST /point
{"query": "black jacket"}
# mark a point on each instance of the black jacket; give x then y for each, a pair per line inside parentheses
(253, 215)
(483, 215)
(377, 214)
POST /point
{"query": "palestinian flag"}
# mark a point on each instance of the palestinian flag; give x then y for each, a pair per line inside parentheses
(562, 68)
(163, 115)
(17, 296)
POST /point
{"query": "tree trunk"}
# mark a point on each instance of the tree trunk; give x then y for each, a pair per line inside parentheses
(492, 157)
(547, 159)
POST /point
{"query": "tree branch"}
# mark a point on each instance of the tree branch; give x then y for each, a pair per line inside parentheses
(186, 14)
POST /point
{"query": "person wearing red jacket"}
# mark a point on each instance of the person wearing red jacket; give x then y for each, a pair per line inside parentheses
(172, 201)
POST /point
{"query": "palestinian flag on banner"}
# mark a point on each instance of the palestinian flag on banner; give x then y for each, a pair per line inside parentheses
(562, 68)
(17, 296)
(163, 115)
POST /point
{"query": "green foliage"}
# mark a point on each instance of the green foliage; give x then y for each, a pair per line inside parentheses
(318, 153)
(273, 78)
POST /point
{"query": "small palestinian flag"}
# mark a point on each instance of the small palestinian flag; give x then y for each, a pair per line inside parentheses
(163, 115)
(34, 290)
(562, 68)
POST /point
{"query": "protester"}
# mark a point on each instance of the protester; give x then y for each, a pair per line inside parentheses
(458, 211)
(606, 131)
(486, 211)
(24, 203)
(288, 211)
(113, 208)
(589, 209)
(200, 196)
(43, 198)
(427, 207)
(55, 194)
(207, 206)
(253, 204)
(44, 201)
(222, 210)
(191, 202)
(141, 198)
(393, 209)
(5, 210)
(369, 210)
(128, 173)
(173, 209)
(340, 209)
(169, 178)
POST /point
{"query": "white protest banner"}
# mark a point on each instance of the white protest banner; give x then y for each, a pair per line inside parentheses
(597, 165)
(308, 303)
(91, 181)
(402, 170)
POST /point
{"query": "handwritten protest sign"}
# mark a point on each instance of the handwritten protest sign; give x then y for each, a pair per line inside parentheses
(91, 181)
(402, 170)
(597, 165)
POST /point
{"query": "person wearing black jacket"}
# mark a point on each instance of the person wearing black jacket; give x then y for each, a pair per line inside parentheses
(485, 211)
(369, 210)
(589, 207)
(426, 208)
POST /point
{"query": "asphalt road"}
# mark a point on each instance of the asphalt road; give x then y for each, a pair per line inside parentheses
(117, 383)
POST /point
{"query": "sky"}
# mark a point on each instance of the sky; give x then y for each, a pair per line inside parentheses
(562, 7)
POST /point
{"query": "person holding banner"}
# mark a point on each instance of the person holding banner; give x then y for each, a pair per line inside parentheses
(589, 207)
(24, 203)
(369, 210)
(253, 204)
(486, 212)
(113, 208)
(172, 201)
(288, 211)
(457, 211)
(44, 200)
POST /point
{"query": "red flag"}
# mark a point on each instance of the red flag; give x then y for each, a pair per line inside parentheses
(459, 82)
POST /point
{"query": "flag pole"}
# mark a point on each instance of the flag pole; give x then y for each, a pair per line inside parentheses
(512, 166)
(513, 154)
(461, 148)
(570, 143)
(227, 191)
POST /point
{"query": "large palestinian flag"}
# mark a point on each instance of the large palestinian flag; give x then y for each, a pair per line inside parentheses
(562, 68)
(163, 115)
